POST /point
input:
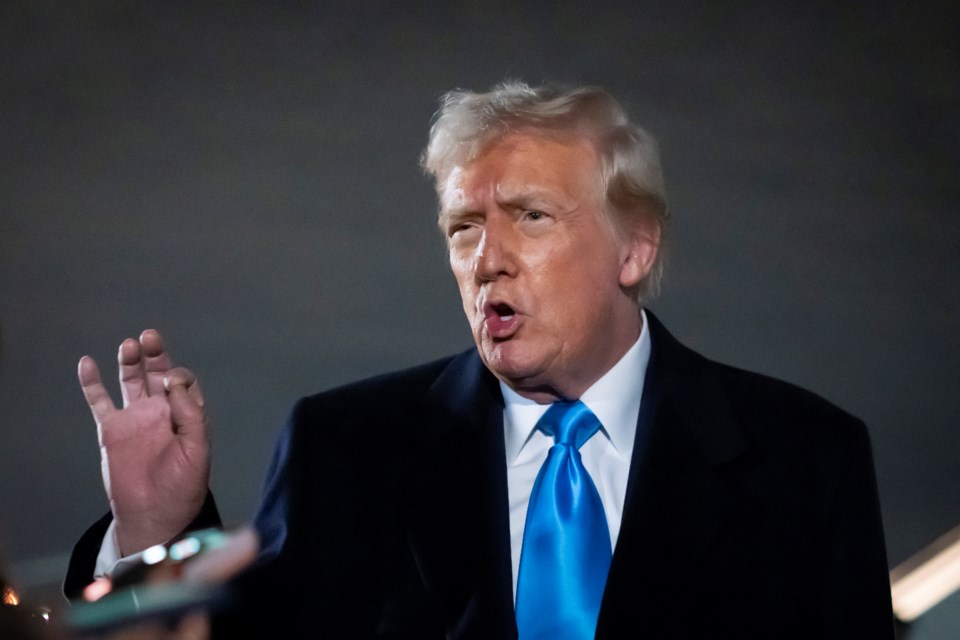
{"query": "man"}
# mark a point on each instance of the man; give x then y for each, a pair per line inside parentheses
(578, 472)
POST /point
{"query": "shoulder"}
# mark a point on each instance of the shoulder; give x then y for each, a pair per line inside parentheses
(782, 415)
(791, 453)
(374, 405)
(755, 395)
(765, 413)
(377, 392)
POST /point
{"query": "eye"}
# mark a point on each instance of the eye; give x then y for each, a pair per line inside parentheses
(461, 229)
(454, 229)
(535, 215)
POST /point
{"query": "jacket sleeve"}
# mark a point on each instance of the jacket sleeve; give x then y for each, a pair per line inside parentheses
(83, 560)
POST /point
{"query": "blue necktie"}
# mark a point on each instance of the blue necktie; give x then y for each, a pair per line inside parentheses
(566, 543)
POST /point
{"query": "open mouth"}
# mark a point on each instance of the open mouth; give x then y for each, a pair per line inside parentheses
(503, 310)
(501, 320)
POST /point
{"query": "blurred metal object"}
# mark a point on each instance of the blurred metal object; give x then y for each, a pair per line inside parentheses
(927, 578)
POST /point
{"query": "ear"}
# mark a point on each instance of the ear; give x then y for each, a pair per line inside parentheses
(638, 251)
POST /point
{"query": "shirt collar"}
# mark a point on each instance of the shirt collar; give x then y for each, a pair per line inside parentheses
(614, 399)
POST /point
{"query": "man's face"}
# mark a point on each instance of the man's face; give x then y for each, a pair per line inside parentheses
(542, 275)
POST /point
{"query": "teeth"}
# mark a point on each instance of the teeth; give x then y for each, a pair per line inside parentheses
(505, 318)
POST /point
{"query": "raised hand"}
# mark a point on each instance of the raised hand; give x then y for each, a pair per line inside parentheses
(155, 452)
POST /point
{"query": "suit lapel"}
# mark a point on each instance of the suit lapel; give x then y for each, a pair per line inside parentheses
(459, 529)
(678, 500)
(679, 497)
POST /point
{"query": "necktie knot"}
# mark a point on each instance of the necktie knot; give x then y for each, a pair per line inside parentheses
(569, 423)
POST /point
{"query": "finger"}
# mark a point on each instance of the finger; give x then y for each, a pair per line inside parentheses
(186, 403)
(185, 377)
(93, 390)
(181, 376)
(195, 626)
(156, 362)
(222, 563)
(133, 384)
(97, 589)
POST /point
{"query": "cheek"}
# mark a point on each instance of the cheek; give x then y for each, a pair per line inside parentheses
(460, 266)
(467, 298)
(468, 293)
(458, 262)
(582, 291)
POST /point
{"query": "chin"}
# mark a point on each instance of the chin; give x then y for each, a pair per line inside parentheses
(512, 363)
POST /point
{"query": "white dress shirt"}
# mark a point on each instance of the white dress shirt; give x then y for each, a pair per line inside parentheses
(615, 400)
(109, 561)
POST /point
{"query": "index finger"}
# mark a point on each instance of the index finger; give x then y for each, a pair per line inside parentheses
(93, 390)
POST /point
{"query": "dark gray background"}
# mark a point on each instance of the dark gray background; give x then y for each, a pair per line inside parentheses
(244, 178)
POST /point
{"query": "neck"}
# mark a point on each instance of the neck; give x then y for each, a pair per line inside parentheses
(572, 387)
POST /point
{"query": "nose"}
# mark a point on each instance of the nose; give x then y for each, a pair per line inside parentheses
(496, 255)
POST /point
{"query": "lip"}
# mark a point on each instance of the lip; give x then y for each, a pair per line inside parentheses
(500, 326)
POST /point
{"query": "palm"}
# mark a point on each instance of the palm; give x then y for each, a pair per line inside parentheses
(154, 451)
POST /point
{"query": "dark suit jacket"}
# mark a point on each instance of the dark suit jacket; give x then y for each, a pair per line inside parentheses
(751, 512)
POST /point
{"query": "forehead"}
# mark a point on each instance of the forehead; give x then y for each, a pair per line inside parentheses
(519, 164)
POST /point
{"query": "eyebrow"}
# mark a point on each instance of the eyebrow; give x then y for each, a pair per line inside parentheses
(520, 198)
(452, 216)
(528, 198)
